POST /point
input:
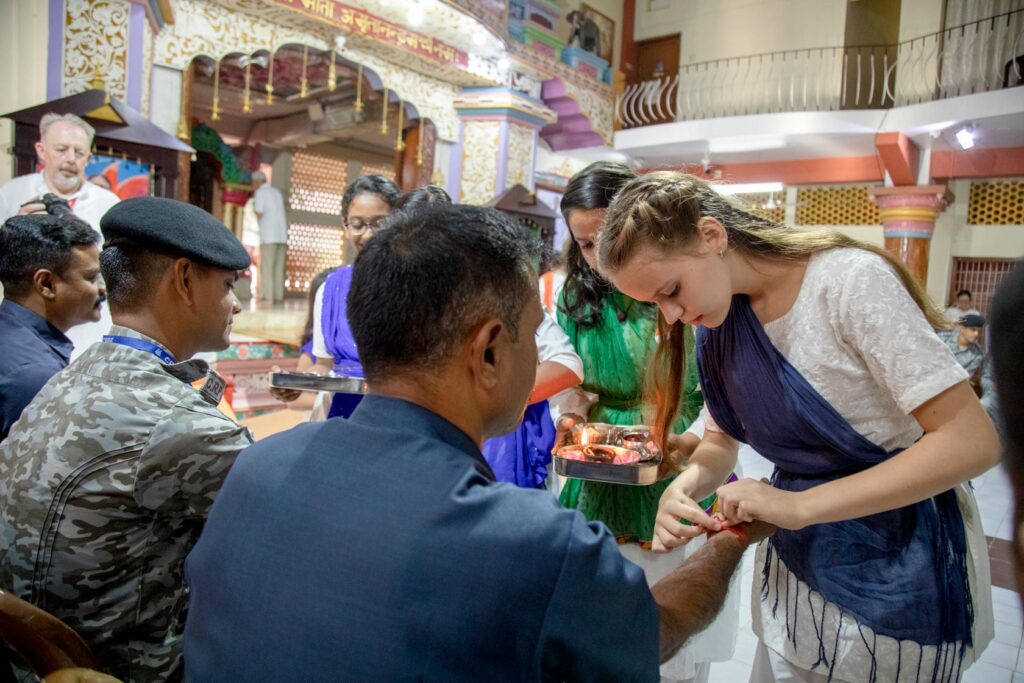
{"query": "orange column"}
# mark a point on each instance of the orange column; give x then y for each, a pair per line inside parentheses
(908, 221)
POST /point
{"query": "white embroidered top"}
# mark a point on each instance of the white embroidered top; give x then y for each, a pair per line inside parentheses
(857, 336)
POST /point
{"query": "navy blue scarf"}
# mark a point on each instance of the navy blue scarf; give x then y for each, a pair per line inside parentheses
(903, 573)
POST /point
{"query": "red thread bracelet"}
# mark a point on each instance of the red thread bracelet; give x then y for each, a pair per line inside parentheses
(738, 532)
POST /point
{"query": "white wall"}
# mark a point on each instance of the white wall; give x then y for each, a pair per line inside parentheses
(23, 43)
(717, 29)
(919, 18)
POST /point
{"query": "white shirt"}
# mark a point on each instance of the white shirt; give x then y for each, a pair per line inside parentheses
(250, 226)
(268, 204)
(89, 203)
(859, 339)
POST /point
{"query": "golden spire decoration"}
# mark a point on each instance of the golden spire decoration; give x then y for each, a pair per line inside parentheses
(270, 78)
(359, 90)
(399, 142)
(419, 149)
(183, 121)
(97, 83)
(215, 114)
(332, 73)
(384, 118)
(303, 83)
(246, 98)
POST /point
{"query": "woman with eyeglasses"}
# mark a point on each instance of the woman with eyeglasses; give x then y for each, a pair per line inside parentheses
(367, 201)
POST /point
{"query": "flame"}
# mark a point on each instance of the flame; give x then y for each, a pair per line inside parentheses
(585, 437)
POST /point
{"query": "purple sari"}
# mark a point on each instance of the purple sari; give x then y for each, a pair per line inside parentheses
(338, 338)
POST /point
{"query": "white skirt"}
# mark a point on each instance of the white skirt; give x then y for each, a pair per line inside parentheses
(847, 640)
(717, 642)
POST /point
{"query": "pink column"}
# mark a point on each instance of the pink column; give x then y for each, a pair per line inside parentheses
(908, 221)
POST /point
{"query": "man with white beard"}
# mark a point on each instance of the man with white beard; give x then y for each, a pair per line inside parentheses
(65, 144)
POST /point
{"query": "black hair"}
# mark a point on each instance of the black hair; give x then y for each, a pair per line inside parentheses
(592, 188)
(315, 283)
(132, 274)
(39, 242)
(964, 291)
(370, 184)
(422, 196)
(429, 277)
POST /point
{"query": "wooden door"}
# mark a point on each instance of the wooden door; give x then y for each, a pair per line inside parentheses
(658, 66)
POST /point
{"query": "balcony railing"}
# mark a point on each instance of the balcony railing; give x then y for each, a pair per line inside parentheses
(976, 57)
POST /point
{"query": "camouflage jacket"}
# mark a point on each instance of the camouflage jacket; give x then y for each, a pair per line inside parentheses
(108, 476)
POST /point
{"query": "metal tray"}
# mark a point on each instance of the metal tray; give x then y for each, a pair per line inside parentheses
(307, 381)
(643, 474)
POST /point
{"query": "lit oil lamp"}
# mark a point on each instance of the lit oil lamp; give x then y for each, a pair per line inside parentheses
(598, 452)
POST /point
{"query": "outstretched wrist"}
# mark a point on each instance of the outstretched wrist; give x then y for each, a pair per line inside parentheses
(737, 531)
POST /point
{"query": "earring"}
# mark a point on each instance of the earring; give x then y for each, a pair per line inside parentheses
(721, 254)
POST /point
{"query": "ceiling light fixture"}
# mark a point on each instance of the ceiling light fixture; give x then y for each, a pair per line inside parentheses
(745, 143)
(747, 188)
(965, 136)
(415, 14)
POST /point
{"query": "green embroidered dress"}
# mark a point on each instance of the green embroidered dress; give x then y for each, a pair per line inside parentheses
(615, 353)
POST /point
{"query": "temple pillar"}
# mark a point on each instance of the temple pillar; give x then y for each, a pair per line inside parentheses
(499, 130)
(908, 220)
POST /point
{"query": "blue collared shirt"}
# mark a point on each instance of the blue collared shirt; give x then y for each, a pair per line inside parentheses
(33, 352)
(381, 548)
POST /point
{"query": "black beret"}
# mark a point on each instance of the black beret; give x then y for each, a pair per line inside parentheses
(173, 227)
(972, 320)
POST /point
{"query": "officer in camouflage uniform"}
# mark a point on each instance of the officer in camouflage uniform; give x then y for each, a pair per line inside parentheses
(111, 470)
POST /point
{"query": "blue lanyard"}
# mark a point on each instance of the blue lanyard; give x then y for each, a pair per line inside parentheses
(142, 345)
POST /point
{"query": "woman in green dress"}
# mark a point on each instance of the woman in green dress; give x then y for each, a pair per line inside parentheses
(616, 337)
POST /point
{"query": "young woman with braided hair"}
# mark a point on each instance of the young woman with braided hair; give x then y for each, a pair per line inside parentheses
(820, 352)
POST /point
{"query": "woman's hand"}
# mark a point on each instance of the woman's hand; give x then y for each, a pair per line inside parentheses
(747, 500)
(675, 505)
(678, 449)
(563, 429)
(283, 395)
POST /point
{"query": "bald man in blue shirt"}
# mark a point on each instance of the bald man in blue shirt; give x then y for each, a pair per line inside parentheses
(380, 548)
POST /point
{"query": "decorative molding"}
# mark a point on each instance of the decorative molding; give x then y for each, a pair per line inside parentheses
(147, 68)
(209, 29)
(519, 153)
(480, 150)
(503, 103)
(213, 30)
(95, 41)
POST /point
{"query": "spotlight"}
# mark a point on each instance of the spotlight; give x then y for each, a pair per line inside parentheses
(339, 42)
(965, 136)
(504, 64)
(415, 14)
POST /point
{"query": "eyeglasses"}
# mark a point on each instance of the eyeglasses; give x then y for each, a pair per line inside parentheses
(358, 227)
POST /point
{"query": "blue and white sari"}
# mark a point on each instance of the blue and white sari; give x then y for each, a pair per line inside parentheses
(880, 598)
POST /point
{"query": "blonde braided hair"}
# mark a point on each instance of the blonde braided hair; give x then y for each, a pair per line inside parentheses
(661, 210)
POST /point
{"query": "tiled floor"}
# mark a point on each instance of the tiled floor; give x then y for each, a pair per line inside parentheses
(1002, 661)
